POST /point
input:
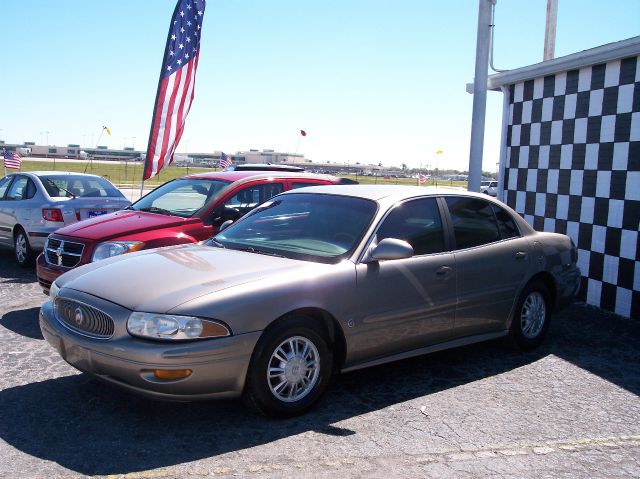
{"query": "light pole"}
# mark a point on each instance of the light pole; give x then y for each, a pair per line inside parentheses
(47, 133)
(42, 137)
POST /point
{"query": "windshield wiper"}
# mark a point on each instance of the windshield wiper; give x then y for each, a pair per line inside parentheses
(61, 188)
(212, 242)
(155, 209)
(250, 249)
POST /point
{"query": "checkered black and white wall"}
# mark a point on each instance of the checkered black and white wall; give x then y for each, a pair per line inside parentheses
(573, 166)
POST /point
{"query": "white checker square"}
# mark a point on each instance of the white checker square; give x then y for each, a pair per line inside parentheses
(636, 277)
(591, 156)
(541, 203)
(566, 157)
(513, 179)
(575, 187)
(570, 106)
(529, 219)
(608, 128)
(616, 209)
(612, 74)
(511, 114)
(521, 198)
(635, 126)
(532, 182)
(526, 111)
(625, 98)
(610, 270)
(547, 109)
(633, 185)
(562, 205)
(620, 156)
(538, 88)
(580, 131)
(534, 137)
(573, 230)
(603, 184)
(518, 92)
(552, 184)
(550, 225)
(523, 159)
(628, 244)
(583, 260)
(598, 237)
(560, 84)
(595, 102)
(543, 157)
(556, 132)
(584, 79)
(594, 290)
(586, 209)
(515, 135)
(623, 302)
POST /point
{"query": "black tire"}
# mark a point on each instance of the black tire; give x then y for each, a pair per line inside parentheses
(22, 249)
(528, 330)
(259, 392)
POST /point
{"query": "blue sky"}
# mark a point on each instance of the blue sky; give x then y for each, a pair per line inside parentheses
(370, 81)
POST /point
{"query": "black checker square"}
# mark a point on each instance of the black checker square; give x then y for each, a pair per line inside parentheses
(573, 171)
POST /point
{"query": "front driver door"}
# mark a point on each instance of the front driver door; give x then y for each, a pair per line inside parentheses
(407, 303)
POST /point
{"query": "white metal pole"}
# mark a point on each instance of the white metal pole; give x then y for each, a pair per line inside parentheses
(483, 44)
(550, 30)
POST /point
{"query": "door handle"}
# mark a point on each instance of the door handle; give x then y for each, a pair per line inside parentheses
(521, 255)
(443, 270)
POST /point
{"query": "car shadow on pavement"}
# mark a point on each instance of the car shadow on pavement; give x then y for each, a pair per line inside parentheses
(23, 322)
(10, 272)
(95, 429)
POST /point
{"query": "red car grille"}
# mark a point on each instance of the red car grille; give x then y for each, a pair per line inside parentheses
(63, 253)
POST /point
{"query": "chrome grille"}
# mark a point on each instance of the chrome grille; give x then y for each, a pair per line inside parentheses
(84, 319)
(63, 253)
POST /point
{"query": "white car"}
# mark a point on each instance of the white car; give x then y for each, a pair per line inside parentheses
(34, 204)
(489, 188)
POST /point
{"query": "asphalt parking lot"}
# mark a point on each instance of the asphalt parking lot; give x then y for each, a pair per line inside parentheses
(569, 409)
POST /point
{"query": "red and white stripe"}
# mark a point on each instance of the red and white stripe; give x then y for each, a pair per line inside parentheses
(15, 161)
(175, 95)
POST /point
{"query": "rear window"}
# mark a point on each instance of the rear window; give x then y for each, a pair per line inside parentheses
(80, 186)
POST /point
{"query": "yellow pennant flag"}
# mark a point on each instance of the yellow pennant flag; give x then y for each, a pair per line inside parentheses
(437, 152)
(108, 130)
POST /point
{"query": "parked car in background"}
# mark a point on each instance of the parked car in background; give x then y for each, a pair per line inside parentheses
(184, 210)
(315, 280)
(34, 204)
(489, 188)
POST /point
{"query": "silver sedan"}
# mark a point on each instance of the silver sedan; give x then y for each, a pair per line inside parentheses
(316, 280)
(34, 204)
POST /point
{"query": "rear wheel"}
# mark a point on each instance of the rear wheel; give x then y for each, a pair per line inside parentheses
(531, 317)
(290, 368)
(22, 248)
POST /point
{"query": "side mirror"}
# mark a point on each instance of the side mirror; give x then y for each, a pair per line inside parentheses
(225, 225)
(390, 248)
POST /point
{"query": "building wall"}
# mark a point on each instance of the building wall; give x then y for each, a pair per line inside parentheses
(572, 166)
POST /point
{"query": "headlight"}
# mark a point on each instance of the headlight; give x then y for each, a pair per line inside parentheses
(167, 326)
(54, 289)
(115, 248)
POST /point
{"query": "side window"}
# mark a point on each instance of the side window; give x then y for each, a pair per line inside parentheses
(474, 223)
(4, 184)
(301, 184)
(18, 189)
(507, 226)
(247, 199)
(418, 223)
(31, 190)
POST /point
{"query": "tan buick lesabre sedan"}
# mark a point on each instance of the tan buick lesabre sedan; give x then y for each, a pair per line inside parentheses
(316, 280)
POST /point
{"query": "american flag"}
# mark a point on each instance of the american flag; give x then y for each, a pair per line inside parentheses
(12, 159)
(176, 85)
(422, 179)
(225, 161)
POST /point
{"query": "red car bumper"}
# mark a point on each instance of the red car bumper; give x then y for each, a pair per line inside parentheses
(47, 273)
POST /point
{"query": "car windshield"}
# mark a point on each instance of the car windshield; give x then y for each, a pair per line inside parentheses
(182, 197)
(311, 227)
(79, 186)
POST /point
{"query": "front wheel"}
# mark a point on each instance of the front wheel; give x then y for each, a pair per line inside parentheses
(289, 370)
(531, 317)
(22, 249)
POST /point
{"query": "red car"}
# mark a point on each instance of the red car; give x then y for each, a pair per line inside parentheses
(184, 210)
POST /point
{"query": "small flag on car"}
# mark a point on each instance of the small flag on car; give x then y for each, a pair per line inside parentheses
(12, 159)
(225, 161)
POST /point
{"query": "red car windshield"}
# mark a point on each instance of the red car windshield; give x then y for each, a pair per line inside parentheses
(182, 197)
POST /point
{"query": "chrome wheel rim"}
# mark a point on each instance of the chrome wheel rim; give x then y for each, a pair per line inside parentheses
(293, 369)
(21, 248)
(533, 315)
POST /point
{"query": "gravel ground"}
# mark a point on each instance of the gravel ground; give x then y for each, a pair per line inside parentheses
(568, 409)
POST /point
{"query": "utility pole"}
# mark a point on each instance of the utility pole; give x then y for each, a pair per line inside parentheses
(483, 45)
(550, 30)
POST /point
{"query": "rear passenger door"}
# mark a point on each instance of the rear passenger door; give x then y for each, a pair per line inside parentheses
(491, 262)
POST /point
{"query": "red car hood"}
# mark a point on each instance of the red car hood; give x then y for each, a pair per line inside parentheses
(119, 223)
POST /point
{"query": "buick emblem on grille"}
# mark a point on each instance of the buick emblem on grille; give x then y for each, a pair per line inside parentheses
(78, 317)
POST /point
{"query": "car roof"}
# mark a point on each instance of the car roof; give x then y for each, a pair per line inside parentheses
(55, 173)
(243, 175)
(379, 192)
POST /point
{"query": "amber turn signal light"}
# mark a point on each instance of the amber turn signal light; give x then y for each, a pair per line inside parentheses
(172, 374)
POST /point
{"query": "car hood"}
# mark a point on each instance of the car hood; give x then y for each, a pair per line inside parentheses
(161, 279)
(121, 222)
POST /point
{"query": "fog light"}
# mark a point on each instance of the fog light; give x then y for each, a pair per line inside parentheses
(172, 374)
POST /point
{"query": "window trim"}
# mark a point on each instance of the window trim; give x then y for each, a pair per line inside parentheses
(11, 178)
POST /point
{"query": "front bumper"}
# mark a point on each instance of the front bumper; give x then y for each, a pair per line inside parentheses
(219, 365)
(47, 273)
